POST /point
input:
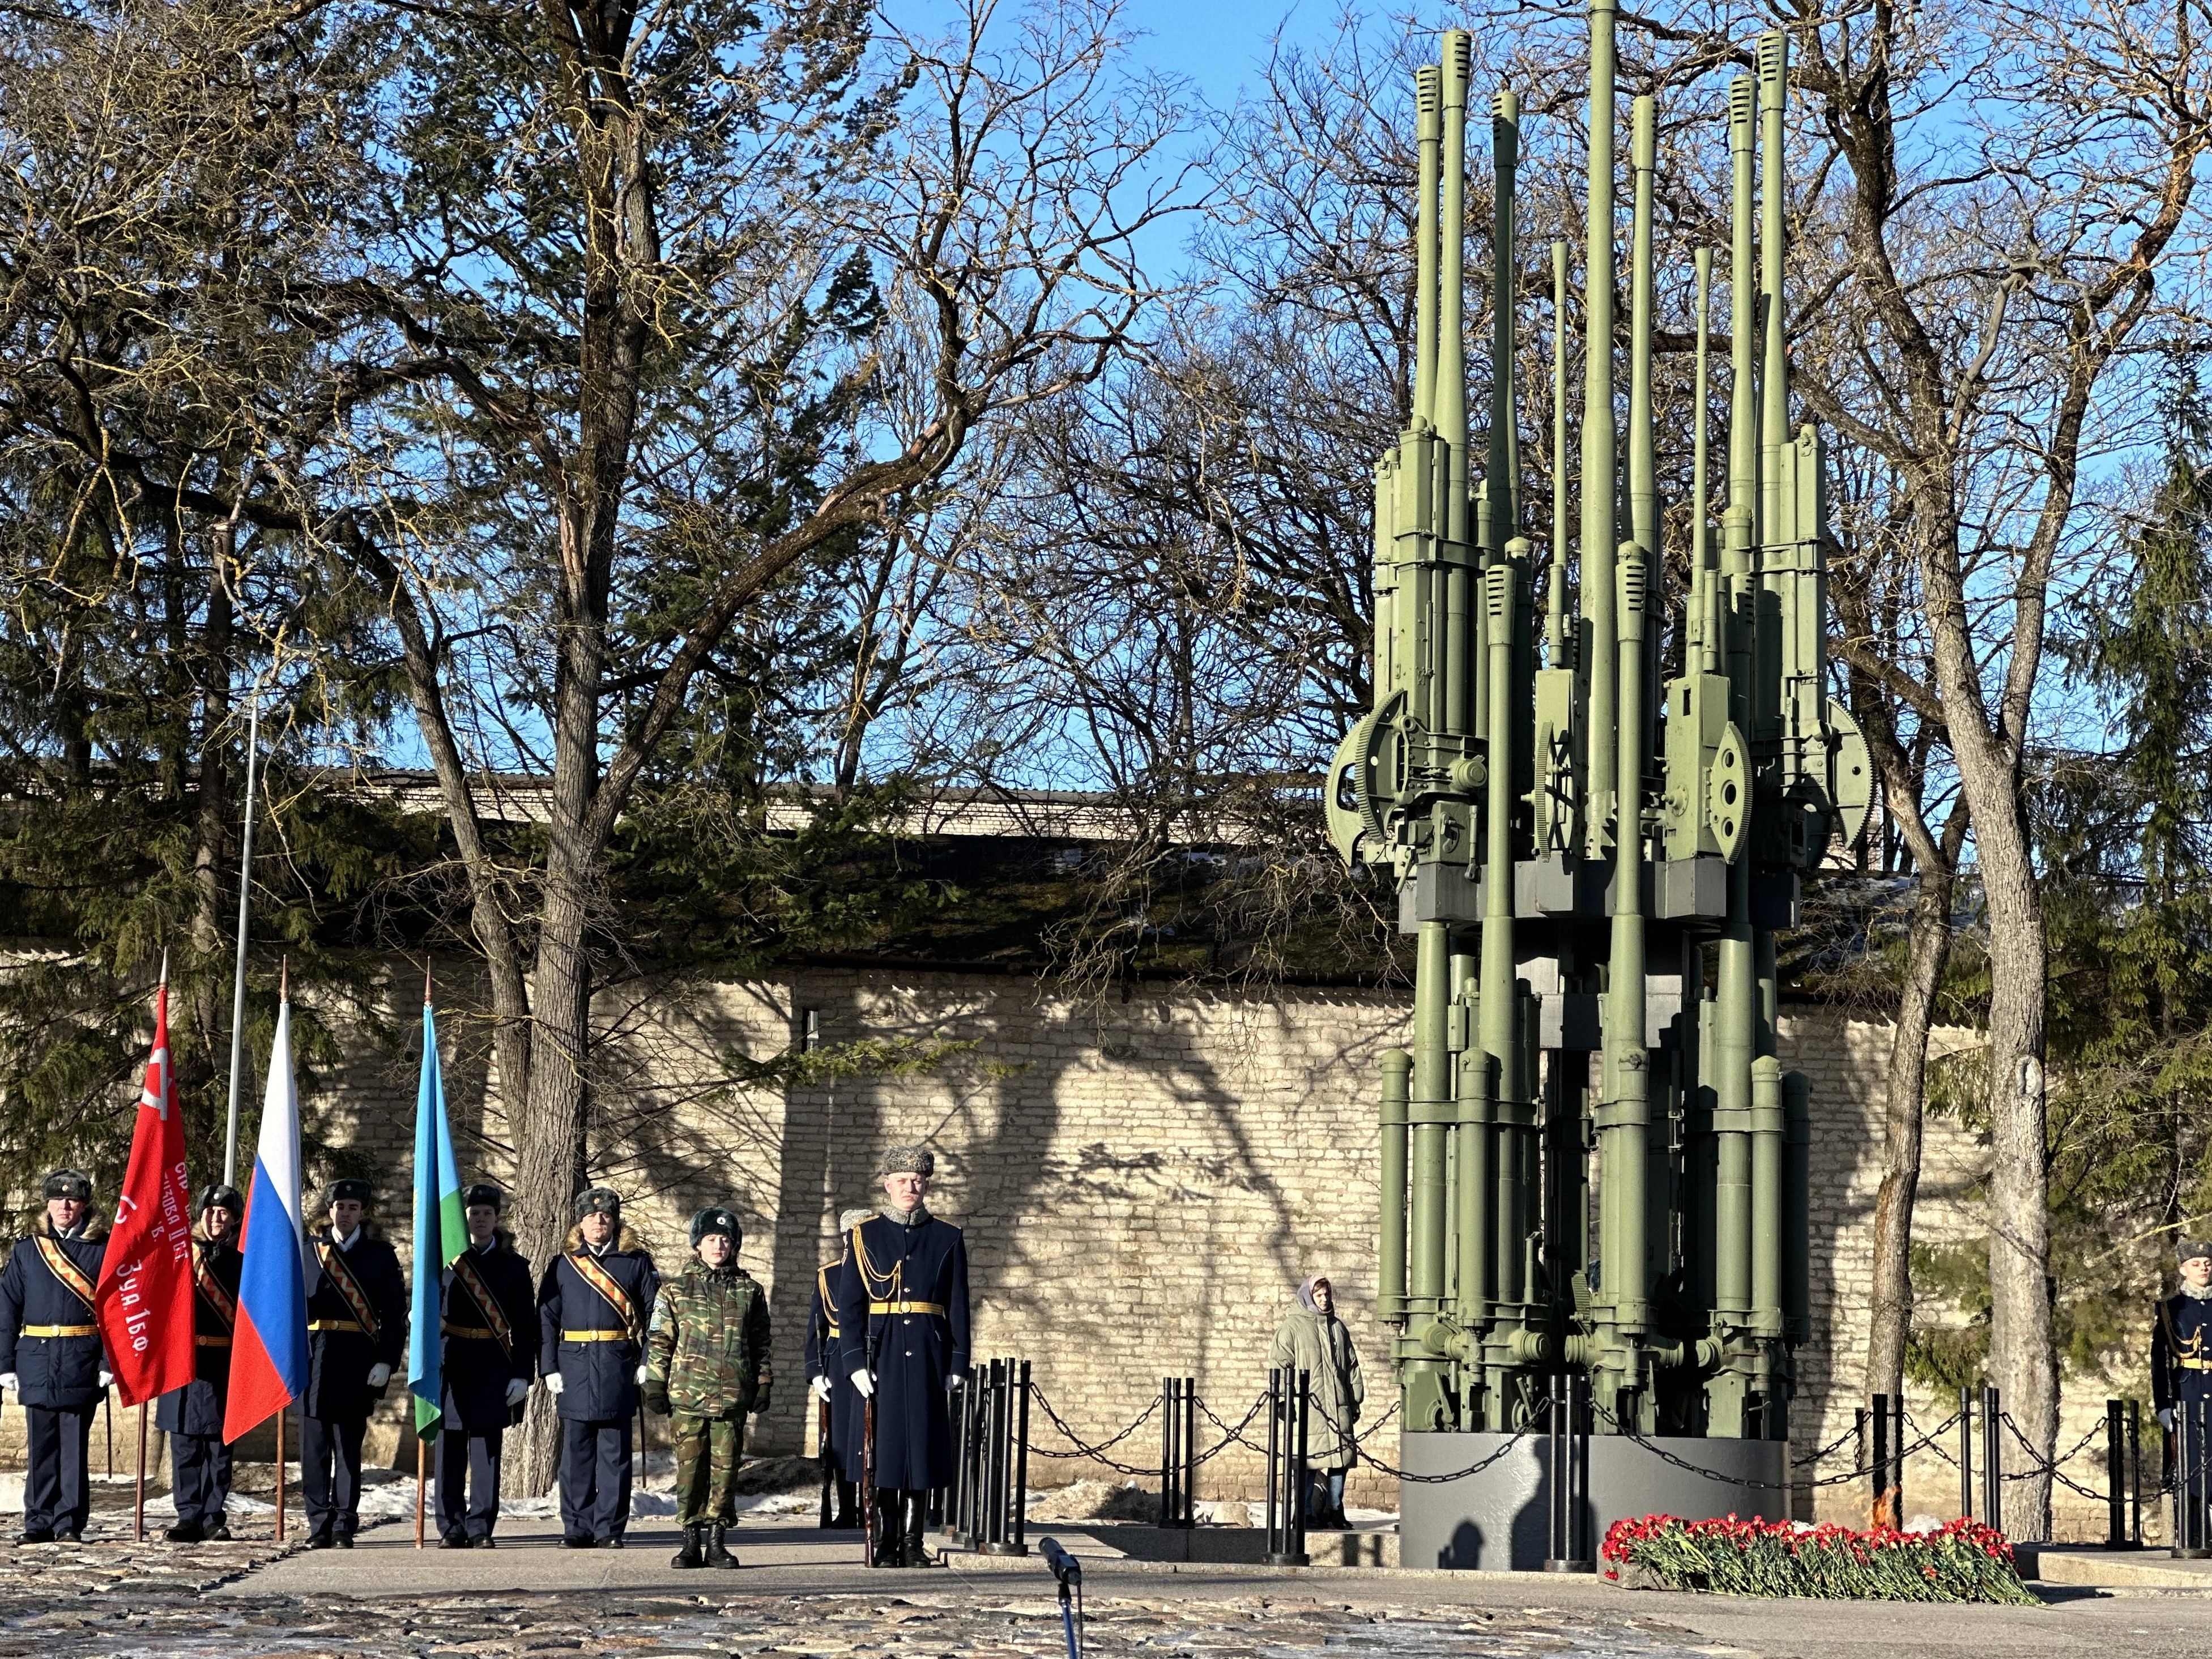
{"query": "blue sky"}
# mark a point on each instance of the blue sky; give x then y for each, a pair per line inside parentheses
(1219, 45)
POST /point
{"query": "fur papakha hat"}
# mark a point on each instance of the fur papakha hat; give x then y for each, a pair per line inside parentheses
(599, 1200)
(716, 1220)
(900, 1159)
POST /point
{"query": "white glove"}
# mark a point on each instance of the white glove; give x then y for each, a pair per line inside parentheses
(8, 1381)
(517, 1390)
(821, 1387)
(863, 1384)
(2164, 1412)
(553, 1384)
(106, 1378)
(641, 1376)
(378, 1375)
(952, 1383)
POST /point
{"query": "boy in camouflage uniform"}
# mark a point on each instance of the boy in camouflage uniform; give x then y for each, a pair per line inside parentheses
(705, 1366)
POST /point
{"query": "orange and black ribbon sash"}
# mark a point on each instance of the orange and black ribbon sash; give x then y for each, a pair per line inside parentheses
(220, 1302)
(340, 1275)
(59, 1264)
(589, 1270)
(470, 1279)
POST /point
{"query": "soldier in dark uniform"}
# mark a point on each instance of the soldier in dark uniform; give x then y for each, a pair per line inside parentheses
(199, 1457)
(826, 1375)
(356, 1337)
(2181, 1384)
(50, 1356)
(902, 1318)
(593, 1305)
(490, 1355)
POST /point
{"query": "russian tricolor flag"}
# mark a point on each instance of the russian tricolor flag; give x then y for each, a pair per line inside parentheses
(269, 1351)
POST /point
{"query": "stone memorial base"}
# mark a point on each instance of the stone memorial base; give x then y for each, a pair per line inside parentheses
(1498, 1518)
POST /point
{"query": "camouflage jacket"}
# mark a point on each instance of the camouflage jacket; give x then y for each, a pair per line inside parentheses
(709, 1341)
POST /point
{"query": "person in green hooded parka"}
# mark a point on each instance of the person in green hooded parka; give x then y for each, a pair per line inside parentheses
(1313, 1340)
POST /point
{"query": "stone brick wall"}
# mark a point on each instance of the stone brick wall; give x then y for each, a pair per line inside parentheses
(1143, 1183)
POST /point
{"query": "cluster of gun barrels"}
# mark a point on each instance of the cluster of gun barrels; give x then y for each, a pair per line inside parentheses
(1591, 1156)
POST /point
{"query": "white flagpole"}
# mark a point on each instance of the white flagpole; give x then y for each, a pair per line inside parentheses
(245, 904)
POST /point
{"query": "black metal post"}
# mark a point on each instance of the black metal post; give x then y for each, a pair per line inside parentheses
(2188, 1517)
(1992, 1460)
(1897, 1458)
(2116, 1472)
(994, 1479)
(1169, 1423)
(1275, 1456)
(1569, 1475)
(1021, 1493)
(1190, 1451)
(2134, 1470)
(1966, 1454)
(1879, 1512)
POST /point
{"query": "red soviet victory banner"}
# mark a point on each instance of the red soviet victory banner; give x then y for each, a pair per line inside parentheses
(144, 1297)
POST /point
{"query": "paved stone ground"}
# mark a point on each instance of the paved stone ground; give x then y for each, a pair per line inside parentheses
(803, 1593)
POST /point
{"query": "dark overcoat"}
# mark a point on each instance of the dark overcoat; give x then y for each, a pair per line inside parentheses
(60, 1372)
(339, 1361)
(599, 1377)
(197, 1408)
(902, 1309)
(825, 1356)
(2181, 1351)
(476, 1369)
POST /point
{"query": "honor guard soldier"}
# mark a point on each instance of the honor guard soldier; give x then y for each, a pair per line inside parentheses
(592, 1304)
(52, 1357)
(902, 1318)
(826, 1375)
(2181, 1386)
(357, 1334)
(199, 1457)
(490, 1330)
(706, 1365)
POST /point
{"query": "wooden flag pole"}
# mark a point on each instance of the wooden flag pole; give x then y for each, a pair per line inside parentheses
(107, 1421)
(422, 1456)
(280, 1474)
(138, 1517)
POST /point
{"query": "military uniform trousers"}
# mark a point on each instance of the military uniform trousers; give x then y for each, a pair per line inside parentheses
(199, 1478)
(56, 1478)
(708, 1449)
(468, 1481)
(330, 1473)
(595, 1476)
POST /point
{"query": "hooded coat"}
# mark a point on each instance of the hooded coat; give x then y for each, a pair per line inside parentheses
(59, 1373)
(1318, 1344)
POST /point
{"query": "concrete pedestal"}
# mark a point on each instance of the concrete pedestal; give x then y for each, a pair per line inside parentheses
(1499, 1519)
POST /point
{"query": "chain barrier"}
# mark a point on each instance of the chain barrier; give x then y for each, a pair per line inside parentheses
(1083, 1449)
(1813, 1460)
(2055, 1468)
(1233, 1434)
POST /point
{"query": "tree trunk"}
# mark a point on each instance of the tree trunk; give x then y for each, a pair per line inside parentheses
(2023, 1356)
(1927, 950)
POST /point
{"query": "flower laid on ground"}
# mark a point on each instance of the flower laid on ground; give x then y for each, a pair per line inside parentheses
(1963, 1561)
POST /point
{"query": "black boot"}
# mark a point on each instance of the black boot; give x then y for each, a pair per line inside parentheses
(689, 1555)
(717, 1555)
(888, 1536)
(848, 1513)
(913, 1552)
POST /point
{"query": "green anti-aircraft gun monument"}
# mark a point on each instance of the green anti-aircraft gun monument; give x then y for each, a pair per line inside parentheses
(1596, 803)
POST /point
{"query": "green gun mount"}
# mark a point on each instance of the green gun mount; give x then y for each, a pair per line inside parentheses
(1593, 1163)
